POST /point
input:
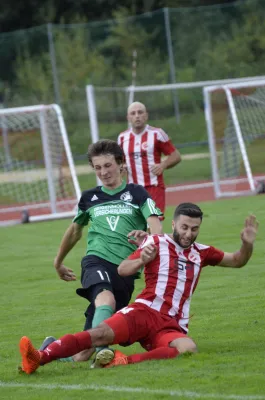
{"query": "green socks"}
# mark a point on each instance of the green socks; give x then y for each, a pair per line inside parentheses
(101, 313)
(66, 359)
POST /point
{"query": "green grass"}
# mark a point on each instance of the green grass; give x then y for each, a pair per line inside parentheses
(186, 171)
(191, 128)
(189, 171)
(227, 318)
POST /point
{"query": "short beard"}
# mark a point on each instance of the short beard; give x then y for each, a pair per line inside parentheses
(176, 237)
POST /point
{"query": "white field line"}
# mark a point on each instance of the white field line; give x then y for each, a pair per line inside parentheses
(141, 390)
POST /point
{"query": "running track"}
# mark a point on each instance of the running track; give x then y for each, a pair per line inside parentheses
(174, 196)
(194, 192)
(186, 193)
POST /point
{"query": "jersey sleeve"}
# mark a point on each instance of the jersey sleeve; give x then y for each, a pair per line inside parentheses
(119, 140)
(135, 255)
(164, 143)
(82, 216)
(147, 205)
(213, 256)
(150, 209)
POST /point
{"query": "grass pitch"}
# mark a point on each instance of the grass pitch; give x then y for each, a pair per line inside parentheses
(227, 319)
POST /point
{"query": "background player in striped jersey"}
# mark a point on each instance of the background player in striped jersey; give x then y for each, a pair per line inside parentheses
(158, 318)
(143, 146)
(112, 211)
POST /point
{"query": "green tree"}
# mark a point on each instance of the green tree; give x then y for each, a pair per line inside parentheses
(33, 82)
(127, 35)
(76, 64)
(240, 51)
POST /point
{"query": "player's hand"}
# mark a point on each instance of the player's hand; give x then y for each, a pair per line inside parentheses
(249, 232)
(66, 274)
(148, 253)
(157, 169)
(136, 237)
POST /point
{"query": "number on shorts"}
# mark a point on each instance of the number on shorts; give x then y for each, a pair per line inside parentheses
(126, 310)
(102, 277)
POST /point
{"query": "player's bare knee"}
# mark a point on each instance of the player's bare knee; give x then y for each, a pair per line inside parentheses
(189, 348)
(105, 297)
(184, 345)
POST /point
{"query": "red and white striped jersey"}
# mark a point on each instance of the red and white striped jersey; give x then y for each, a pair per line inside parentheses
(142, 151)
(171, 278)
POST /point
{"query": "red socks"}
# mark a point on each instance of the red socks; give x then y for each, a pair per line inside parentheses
(156, 354)
(69, 345)
(66, 346)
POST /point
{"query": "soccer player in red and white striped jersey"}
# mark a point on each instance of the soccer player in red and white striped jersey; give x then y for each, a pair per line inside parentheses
(143, 146)
(158, 319)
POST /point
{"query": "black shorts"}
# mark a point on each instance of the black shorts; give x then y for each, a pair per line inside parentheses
(100, 272)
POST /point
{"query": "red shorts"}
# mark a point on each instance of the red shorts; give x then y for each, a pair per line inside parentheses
(140, 323)
(158, 194)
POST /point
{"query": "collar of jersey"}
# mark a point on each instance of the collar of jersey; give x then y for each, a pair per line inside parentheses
(176, 244)
(114, 191)
(141, 133)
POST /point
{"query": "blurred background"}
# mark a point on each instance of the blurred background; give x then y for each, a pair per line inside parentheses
(50, 50)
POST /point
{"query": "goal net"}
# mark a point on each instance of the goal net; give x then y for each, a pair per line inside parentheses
(37, 173)
(235, 117)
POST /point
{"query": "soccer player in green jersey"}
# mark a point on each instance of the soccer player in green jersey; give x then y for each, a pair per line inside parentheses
(112, 210)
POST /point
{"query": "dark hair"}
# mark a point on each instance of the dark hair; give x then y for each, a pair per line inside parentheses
(104, 147)
(189, 209)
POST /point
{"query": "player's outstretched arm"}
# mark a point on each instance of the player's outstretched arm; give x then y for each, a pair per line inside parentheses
(144, 256)
(248, 236)
(70, 238)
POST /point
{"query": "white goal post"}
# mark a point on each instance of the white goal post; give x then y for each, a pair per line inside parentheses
(129, 92)
(109, 104)
(235, 118)
(37, 173)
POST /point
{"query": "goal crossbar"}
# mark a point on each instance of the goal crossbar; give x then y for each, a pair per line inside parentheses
(183, 85)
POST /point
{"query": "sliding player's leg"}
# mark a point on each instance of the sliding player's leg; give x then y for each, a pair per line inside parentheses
(177, 346)
(69, 345)
(156, 350)
(168, 343)
(65, 346)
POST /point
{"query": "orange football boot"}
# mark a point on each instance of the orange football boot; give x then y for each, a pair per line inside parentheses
(119, 359)
(30, 356)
